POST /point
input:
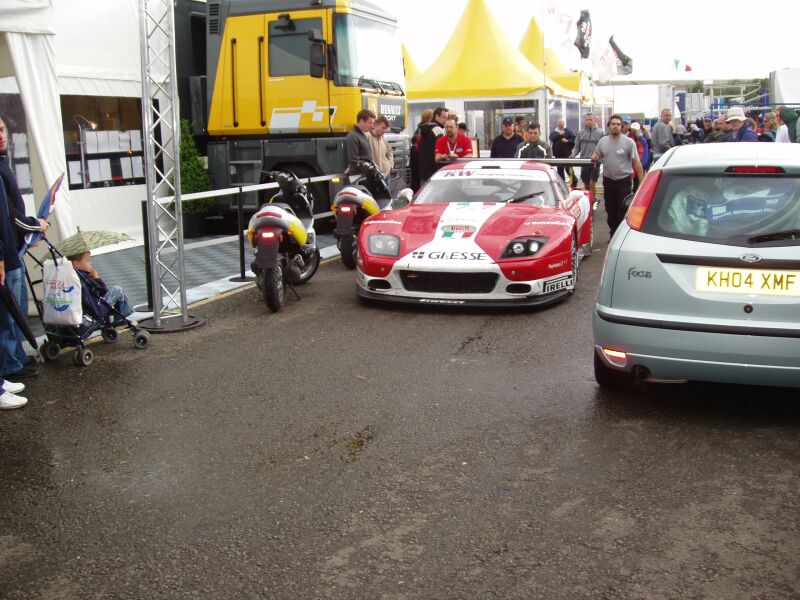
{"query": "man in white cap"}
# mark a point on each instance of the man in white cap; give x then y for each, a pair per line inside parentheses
(740, 130)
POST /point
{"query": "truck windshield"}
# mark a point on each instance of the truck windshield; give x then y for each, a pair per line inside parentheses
(368, 53)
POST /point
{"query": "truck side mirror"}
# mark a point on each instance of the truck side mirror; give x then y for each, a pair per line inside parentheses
(316, 59)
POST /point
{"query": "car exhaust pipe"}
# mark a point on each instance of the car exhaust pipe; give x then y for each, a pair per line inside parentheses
(641, 373)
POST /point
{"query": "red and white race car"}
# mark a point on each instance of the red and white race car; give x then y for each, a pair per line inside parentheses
(479, 232)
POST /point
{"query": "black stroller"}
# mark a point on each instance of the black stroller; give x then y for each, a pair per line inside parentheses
(69, 336)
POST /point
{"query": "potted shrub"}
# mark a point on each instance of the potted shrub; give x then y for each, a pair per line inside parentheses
(194, 178)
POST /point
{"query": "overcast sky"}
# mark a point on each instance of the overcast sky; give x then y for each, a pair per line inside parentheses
(724, 40)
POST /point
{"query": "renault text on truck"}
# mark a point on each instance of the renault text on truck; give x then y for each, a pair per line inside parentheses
(285, 81)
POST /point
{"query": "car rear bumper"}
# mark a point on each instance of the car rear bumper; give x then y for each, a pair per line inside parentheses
(684, 353)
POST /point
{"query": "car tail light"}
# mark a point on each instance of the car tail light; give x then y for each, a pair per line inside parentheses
(641, 201)
(752, 170)
(616, 357)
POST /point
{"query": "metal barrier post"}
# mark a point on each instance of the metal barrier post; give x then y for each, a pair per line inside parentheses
(240, 225)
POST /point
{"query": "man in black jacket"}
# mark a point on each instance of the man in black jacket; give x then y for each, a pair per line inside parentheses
(356, 143)
(563, 141)
(429, 133)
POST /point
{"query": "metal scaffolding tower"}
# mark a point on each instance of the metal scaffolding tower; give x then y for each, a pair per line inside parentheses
(161, 125)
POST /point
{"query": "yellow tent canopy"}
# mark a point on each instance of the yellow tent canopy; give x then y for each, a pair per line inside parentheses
(532, 46)
(479, 61)
(412, 72)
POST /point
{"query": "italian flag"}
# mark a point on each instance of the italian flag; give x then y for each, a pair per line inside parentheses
(681, 66)
(457, 234)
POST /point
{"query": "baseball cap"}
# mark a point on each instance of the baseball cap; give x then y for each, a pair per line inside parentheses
(508, 121)
(708, 118)
(636, 126)
(735, 114)
(626, 119)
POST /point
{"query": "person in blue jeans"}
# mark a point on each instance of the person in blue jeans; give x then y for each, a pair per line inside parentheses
(15, 224)
(92, 288)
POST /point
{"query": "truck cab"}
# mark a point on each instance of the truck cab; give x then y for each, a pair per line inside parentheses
(285, 80)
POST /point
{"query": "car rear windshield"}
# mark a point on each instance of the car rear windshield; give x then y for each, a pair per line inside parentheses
(725, 209)
(484, 187)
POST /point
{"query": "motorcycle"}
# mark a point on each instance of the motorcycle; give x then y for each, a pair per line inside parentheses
(282, 235)
(367, 196)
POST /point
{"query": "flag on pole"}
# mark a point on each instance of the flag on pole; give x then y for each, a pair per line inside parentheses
(45, 208)
(681, 66)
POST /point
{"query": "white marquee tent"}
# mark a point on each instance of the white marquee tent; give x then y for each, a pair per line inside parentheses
(71, 47)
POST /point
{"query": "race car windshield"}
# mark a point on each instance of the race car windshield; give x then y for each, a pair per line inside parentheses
(526, 190)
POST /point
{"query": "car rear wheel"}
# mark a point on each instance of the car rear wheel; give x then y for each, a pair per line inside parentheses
(608, 378)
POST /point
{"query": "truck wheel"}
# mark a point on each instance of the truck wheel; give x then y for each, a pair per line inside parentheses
(274, 288)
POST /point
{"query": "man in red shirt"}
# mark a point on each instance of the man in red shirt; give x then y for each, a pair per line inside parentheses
(453, 144)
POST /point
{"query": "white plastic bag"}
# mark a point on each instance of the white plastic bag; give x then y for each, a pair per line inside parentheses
(62, 293)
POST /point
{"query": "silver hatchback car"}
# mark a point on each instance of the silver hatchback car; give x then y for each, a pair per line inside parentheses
(702, 281)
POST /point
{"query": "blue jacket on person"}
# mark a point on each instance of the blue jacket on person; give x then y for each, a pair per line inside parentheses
(645, 151)
(745, 134)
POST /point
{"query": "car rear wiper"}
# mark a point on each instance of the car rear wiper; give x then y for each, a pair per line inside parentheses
(523, 198)
(789, 234)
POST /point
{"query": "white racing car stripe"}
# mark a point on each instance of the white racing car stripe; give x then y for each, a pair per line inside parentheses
(454, 241)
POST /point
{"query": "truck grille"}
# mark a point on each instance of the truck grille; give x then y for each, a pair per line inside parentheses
(448, 283)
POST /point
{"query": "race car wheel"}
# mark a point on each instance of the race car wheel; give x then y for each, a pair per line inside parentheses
(608, 378)
(349, 250)
(274, 288)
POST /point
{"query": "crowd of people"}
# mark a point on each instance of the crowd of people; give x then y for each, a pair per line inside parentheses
(625, 150)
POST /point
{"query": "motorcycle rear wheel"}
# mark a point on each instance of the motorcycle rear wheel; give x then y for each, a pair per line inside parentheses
(349, 250)
(274, 288)
(312, 264)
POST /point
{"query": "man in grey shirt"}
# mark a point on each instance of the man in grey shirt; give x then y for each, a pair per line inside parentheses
(661, 135)
(585, 142)
(619, 156)
(356, 143)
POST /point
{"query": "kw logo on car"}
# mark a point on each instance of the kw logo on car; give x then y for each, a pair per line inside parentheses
(635, 272)
(456, 232)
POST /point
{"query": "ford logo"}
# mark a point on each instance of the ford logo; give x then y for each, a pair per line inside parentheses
(750, 258)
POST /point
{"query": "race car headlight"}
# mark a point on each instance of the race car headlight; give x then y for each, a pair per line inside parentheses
(383, 244)
(522, 247)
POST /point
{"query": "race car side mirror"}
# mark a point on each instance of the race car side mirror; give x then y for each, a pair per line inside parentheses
(403, 198)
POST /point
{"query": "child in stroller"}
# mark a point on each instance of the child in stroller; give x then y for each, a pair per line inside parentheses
(104, 309)
(98, 299)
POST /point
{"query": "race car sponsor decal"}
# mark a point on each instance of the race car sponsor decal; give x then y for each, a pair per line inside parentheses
(455, 232)
(557, 265)
(560, 283)
(563, 223)
(438, 255)
(437, 301)
(534, 174)
(383, 222)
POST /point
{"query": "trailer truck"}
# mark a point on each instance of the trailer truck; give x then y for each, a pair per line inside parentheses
(284, 82)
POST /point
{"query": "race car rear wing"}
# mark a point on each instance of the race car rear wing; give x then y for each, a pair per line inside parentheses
(496, 163)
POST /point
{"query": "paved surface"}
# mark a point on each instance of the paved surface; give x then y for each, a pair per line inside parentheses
(336, 450)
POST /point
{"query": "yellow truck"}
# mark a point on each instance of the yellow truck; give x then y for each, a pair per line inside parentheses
(285, 79)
